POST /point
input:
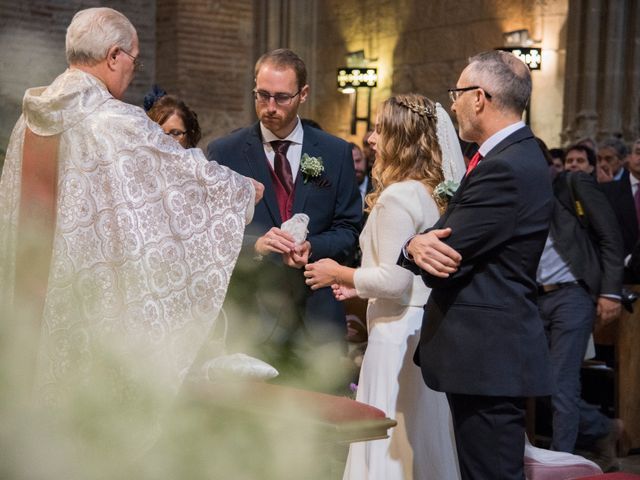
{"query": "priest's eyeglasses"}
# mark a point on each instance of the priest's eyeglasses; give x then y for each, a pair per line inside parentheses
(455, 93)
(281, 99)
(137, 64)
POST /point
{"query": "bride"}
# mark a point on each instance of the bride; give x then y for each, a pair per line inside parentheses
(416, 150)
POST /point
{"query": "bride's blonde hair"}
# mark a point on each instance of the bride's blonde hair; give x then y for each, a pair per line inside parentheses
(407, 147)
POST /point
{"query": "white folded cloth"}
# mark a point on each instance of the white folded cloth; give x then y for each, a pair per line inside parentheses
(296, 226)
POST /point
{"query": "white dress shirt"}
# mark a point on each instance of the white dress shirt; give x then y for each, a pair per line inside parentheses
(497, 137)
(295, 148)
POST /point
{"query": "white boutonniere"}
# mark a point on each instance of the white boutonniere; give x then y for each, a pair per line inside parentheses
(311, 167)
(446, 189)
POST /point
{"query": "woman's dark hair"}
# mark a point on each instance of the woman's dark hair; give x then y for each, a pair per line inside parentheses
(545, 150)
(166, 106)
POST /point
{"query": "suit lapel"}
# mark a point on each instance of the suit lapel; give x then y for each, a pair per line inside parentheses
(310, 146)
(258, 164)
(517, 136)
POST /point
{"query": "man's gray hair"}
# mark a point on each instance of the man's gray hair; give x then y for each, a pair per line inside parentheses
(94, 31)
(504, 76)
(616, 144)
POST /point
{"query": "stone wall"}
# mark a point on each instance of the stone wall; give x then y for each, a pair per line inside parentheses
(422, 46)
(204, 51)
(32, 35)
(205, 56)
(603, 70)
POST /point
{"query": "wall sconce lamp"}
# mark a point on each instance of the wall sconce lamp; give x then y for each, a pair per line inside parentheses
(531, 56)
(350, 80)
(520, 44)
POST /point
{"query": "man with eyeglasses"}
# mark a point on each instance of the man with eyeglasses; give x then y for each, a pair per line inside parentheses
(482, 340)
(119, 241)
(284, 321)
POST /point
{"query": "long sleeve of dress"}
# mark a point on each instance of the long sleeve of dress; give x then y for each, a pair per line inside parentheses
(396, 216)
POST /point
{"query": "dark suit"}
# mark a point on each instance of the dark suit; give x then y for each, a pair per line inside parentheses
(621, 198)
(593, 248)
(590, 246)
(279, 311)
(482, 340)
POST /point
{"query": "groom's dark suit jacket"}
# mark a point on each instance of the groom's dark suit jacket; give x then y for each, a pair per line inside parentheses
(481, 331)
(333, 205)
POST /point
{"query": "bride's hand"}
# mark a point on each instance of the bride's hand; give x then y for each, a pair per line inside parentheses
(343, 293)
(321, 273)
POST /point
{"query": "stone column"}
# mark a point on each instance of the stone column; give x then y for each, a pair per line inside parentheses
(586, 120)
(612, 75)
(572, 69)
(288, 24)
(631, 93)
(603, 70)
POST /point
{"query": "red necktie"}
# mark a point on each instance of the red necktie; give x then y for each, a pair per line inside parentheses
(474, 162)
(281, 164)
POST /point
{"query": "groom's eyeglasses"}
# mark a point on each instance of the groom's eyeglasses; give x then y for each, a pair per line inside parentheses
(455, 93)
(281, 99)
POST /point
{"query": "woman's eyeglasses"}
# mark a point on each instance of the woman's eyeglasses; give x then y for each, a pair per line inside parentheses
(175, 133)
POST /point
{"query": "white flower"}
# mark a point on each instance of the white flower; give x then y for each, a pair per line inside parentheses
(311, 166)
(446, 189)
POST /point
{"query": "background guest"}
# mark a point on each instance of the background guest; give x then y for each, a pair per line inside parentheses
(557, 160)
(369, 153)
(625, 200)
(580, 158)
(611, 155)
(579, 278)
(176, 119)
(363, 175)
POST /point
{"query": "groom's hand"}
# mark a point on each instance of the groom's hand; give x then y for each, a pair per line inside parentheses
(433, 255)
(298, 257)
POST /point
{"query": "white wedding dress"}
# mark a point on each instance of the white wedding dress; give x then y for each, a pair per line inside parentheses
(422, 445)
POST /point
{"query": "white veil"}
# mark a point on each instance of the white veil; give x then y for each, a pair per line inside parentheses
(452, 161)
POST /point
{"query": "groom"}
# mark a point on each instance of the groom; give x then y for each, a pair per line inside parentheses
(283, 320)
(482, 339)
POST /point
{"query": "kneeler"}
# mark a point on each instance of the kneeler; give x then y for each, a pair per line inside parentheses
(336, 419)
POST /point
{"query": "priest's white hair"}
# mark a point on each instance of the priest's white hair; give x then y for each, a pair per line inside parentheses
(94, 31)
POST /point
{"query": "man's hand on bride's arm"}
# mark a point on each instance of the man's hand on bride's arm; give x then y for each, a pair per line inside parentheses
(327, 272)
(432, 255)
(259, 188)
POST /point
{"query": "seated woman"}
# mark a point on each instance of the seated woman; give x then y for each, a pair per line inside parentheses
(174, 116)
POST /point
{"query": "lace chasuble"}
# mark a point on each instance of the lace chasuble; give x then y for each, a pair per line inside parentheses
(144, 235)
